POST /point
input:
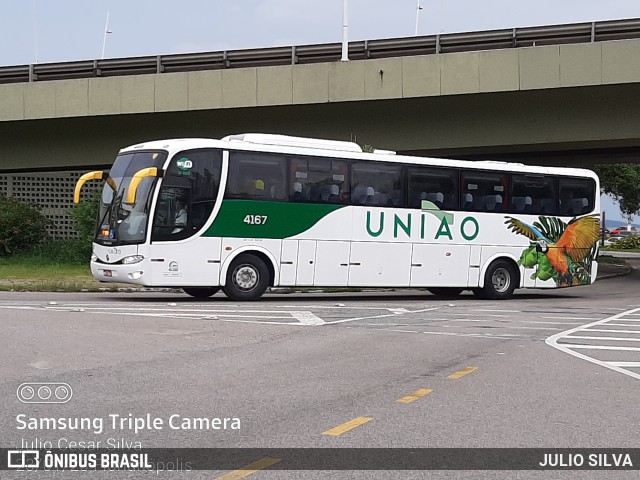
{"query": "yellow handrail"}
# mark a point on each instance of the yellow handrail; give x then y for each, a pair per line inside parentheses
(97, 175)
(135, 181)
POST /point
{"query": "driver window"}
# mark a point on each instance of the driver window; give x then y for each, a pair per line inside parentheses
(188, 194)
(171, 221)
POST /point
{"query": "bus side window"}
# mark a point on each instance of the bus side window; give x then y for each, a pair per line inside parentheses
(577, 196)
(319, 180)
(256, 176)
(436, 185)
(533, 194)
(378, 184)
(489, 190)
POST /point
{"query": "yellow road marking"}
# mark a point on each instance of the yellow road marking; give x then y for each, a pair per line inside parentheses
(415, 395)
(251, 468)
(463, 372)
(345, 427)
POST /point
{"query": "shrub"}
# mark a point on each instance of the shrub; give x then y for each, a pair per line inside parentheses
(22, 226)
(632, 242)
(85, 217)
(74, 251)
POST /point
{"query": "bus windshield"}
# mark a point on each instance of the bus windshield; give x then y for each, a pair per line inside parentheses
(121, 223)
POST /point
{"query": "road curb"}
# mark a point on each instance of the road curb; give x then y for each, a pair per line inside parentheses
(613, 271)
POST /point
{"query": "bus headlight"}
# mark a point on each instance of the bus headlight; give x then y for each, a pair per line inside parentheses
(94, 257)
(132, 259)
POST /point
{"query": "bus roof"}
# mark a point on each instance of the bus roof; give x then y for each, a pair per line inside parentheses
(340, 149)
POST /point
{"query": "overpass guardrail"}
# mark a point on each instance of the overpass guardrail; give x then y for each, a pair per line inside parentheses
(327, 52)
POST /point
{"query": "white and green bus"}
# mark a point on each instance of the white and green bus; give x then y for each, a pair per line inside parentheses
(252, 211)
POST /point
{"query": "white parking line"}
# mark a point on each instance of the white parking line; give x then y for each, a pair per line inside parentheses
(477, 335)
(501, 327)
(633, 320)
(224, 315)
(572, 318)
(519, 321)
(486, 336)
(173, 309)
(601, 347)
(307, 318)
(345, 320)
(398, 310)
(611, 331)
(617, 339)
(497, 310)
(553, 341)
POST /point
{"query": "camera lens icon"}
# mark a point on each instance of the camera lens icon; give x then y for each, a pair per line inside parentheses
(27, 392)
(62, 392)
(44, 392)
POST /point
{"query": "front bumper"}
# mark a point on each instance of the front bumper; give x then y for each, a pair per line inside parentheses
(135, 273)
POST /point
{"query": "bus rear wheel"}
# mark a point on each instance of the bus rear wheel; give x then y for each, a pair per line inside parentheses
(500, 280)
(247, 278)
(201, 292)
(447, 292)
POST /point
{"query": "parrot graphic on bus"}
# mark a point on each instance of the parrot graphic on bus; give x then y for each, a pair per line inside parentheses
(559, 249)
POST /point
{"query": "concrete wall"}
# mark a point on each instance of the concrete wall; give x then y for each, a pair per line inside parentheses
(568, 97)
(601, 63)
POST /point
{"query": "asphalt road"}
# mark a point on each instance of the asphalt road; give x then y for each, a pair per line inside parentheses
(548, 369)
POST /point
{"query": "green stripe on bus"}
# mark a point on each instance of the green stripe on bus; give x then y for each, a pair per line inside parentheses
(262, 219)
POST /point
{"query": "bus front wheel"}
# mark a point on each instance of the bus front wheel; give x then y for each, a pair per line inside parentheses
(500, 280)
(247, 278)
(201, 292)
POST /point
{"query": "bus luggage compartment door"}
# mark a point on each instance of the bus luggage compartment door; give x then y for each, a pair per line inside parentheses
(377, 264)
(436, 265)
(306, 266)
(332, 263)
(288, 262)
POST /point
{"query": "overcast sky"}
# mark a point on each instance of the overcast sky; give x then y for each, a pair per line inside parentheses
(64, 30)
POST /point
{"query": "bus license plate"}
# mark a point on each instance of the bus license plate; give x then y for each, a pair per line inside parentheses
(107, 273)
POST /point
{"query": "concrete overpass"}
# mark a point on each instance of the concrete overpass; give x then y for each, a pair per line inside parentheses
(564, 94)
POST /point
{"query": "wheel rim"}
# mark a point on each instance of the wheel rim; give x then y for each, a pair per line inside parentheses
(246, 277)
(501, 280)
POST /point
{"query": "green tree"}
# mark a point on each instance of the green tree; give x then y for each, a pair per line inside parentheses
(622, 182)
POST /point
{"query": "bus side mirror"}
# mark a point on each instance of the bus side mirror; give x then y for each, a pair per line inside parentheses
(135, 182)
(97, 175)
